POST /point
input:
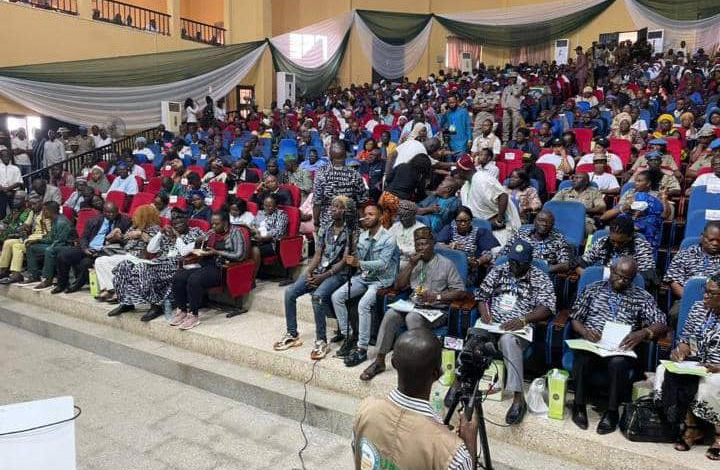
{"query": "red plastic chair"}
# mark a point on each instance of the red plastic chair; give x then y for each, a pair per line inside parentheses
(196, 169)
(294, 193)
(66, 192)
(258, 172)
(103, 164)
(550, 176)
(545, 151)
(239, 278)
(167, 171)
(68, 212)
(510, 155)
(717, 132)
(180, 202)
(583, 138)
(111, 178)
(252, 207)
(154, 185)
(219, 190)
(245, 190)
(589, 168)
(707, 169)
(378, 130)
(140, 183)
(119, 198)
(140, 199)
(621, 148)
(290, 246)
(203, 225)
(674, 146)
(82, 219)
(149, 169)
(164, 222)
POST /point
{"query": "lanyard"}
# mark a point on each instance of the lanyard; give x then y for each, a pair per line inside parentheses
(612, 304)
(514, 287)
(707, 325)
(422, 277)
(706, 262)
(469, 189)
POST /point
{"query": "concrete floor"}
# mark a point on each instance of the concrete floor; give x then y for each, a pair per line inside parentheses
(133, 419)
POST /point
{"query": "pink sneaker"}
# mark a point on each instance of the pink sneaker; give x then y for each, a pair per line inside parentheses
(179, 318)
(191, 321)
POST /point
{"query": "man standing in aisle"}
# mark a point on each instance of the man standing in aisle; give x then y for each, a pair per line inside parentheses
(53, 150)
(456, 121)
(511, 101)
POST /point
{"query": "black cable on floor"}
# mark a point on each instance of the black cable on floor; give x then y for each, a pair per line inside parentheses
(77, 414)
(302, 421)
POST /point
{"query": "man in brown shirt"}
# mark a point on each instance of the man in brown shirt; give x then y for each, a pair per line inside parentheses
(592, 198)
(402, 430)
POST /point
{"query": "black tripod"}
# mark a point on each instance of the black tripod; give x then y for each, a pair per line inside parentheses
(471, 398)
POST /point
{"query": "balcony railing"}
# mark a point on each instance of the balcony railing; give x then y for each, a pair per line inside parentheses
(201, 32)
(132, 16)
(62, 6)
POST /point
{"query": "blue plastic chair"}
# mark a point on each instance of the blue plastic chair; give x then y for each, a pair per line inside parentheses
(568, 184)
(645, 116)
(260, 163)
(195, 148)
(395, 134)
(688, 242)
(360, 146)
(583, 106)
(533, 182)
(569, 220)
(266, 145)
(459, 259)
(140, 158)
(696, 222)
(570, 116)
(236, 151)
(320, 151)
(155, 149)
(700, 199)
(693, 291)
(287, 147)
(482, 223)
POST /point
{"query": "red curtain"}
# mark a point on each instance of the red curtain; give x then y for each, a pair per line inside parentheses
(534, 54)
(456, 45)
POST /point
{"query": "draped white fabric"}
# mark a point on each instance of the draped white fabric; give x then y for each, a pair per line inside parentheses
(312, 46)
(523, 14)
(392, 61)
(139, 107)
(698, 33)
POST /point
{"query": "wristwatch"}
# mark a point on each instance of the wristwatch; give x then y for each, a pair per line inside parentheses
(438, 298)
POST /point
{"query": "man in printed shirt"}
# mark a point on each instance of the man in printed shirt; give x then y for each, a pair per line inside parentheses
(548, 244)
(702, 259)
(402, 431)
(613, 300)
(518, 294)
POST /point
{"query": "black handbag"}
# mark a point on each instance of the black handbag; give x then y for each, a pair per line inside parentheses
(643, 421)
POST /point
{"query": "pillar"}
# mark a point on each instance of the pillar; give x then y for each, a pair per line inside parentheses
(174, 10)
(85, 8)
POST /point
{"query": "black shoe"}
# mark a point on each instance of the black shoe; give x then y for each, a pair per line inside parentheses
(58, 289)
(154, 312)
(579, 416)
(74, 287)
(516, 413)
(29, 280)
(608, 423)
(338, 337)
(120, 309)
(346, 348)
(358, 356)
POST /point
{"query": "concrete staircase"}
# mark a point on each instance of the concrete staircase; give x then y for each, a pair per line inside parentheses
(234, 358)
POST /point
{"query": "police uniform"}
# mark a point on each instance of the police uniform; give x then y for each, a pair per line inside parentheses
(591, 198)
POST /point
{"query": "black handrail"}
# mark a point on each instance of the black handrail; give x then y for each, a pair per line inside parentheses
(63, 6)
(133, 16)
(200, 32)
(75, 164)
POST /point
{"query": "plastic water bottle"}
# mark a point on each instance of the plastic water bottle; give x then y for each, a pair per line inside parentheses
(167, 309)
(437, 402)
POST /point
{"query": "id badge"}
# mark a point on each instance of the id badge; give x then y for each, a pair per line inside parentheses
(173, 199)
(692, 342)
(507, 302)
(606, 273)
(183, 181)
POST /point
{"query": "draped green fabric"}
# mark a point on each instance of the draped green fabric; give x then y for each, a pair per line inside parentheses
(522, 35)
(311, 81)
(136, 70)
(394, 28)
(683, 10)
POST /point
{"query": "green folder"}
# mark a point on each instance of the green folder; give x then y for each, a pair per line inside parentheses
(685, 369)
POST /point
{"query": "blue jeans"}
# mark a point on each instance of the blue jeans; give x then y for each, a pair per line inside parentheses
(320, 302)
(368, 291)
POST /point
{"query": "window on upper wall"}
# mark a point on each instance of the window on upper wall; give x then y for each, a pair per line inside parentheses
(301, 45)
(29, 123)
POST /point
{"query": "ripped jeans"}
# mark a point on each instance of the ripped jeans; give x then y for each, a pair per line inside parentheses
(321, 302)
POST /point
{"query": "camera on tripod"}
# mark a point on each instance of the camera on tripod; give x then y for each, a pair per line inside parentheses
(447, 134)
(476, 356)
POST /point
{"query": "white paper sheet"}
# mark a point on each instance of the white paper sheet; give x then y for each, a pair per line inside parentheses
(613, 334)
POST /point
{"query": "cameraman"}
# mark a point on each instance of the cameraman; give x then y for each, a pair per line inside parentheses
(403, 431)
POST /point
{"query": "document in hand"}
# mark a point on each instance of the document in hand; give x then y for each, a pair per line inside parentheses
(613, 334)
(685, 368)
(585, 345)
(406, 306)
(525, 333)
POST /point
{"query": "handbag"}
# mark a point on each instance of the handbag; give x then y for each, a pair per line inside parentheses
(644, 421)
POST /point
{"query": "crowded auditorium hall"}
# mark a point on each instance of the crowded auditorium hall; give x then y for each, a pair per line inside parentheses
(353, 197)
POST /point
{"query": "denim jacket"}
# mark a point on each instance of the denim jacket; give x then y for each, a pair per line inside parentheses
(380, 264)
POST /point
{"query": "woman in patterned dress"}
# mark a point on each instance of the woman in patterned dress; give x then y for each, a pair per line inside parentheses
(699, 341)
(143, 281)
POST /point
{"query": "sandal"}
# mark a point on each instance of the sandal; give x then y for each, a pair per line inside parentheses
(713, 452)
(687, 439)
(373, 369)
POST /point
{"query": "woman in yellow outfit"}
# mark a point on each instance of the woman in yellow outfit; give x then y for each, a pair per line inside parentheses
(13, 250)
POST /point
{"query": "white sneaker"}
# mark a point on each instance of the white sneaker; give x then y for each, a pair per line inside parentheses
(320, 350)
(179, 318)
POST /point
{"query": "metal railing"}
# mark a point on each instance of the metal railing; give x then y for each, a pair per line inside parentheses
(74, 165)
(63, 6)
(201, 32)
(136, 17)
